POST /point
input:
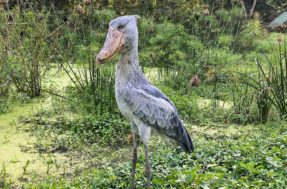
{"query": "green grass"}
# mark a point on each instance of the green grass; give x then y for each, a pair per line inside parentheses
(55, 149)
(20, 160)
(16, 144)
(54, 142)
(49, 150)
(228, 156)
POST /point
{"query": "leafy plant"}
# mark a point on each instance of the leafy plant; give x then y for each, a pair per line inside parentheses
(254, 158)
(106, 130)
(3, 105)
(246, 38)
(4, 76)
(243, 111)
(97, 96)
(230, 20)
(28, 53)
(172, 46)
(225, 41)
(82, 36)
(271, 83)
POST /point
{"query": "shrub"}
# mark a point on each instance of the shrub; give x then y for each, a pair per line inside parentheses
(4, 77)
(244, 108)
(230, 20)
(225, 41)
(172, 46)
(100, 19)
(97, 95)
(220, 57)
(107, 130)
(3, 105)
(251, 31)
(24, 39)
(187, 104)
(271, 82)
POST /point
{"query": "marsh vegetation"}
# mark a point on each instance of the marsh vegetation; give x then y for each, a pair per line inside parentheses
(217, 61)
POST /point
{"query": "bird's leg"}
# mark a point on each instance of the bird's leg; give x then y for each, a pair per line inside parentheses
(134, 160)
(147, 166)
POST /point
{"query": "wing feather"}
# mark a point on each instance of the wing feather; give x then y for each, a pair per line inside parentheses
(153, 108)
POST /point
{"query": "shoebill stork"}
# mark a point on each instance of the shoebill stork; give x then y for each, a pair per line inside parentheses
(143, 105)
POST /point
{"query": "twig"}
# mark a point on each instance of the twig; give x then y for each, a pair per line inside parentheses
(53, 94)
(252, 9)
(244, 9)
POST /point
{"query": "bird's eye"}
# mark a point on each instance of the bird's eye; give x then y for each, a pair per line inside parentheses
(121, 27)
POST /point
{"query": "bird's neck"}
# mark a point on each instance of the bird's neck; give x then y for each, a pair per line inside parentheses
(130, 57)
(128, 69)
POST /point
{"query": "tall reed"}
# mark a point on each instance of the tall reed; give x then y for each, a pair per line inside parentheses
(271, 82)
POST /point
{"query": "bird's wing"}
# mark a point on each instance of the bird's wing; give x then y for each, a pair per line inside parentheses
(154, 91)
(156, 110)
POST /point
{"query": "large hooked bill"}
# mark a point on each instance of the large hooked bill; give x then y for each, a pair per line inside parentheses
(114, 43)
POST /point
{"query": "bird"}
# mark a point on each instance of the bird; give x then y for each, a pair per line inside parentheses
(140, 102)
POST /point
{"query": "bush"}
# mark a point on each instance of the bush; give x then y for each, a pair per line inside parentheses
(270, 82)
(251, 31)
(187, 104)
(24, 39)
(220, 57)
(231, 20)
(225, 41)
(244, 108)
(4, 78)
(3, 105)
(106, 130)
(172, 46)
(96, 96)
(100, 19)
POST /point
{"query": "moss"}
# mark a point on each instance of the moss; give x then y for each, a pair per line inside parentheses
(17, 146)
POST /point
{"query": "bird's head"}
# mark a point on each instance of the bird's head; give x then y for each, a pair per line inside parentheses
(122, 36)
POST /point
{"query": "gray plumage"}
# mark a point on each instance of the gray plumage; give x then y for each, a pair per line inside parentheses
(144, 105)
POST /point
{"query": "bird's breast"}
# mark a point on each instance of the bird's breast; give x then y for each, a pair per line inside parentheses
(121, 82)
(126, 79)
(122, 105)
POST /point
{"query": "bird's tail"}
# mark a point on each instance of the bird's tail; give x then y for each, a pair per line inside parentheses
(186, 142)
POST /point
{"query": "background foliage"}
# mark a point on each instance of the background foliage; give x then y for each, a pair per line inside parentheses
(47, 51)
